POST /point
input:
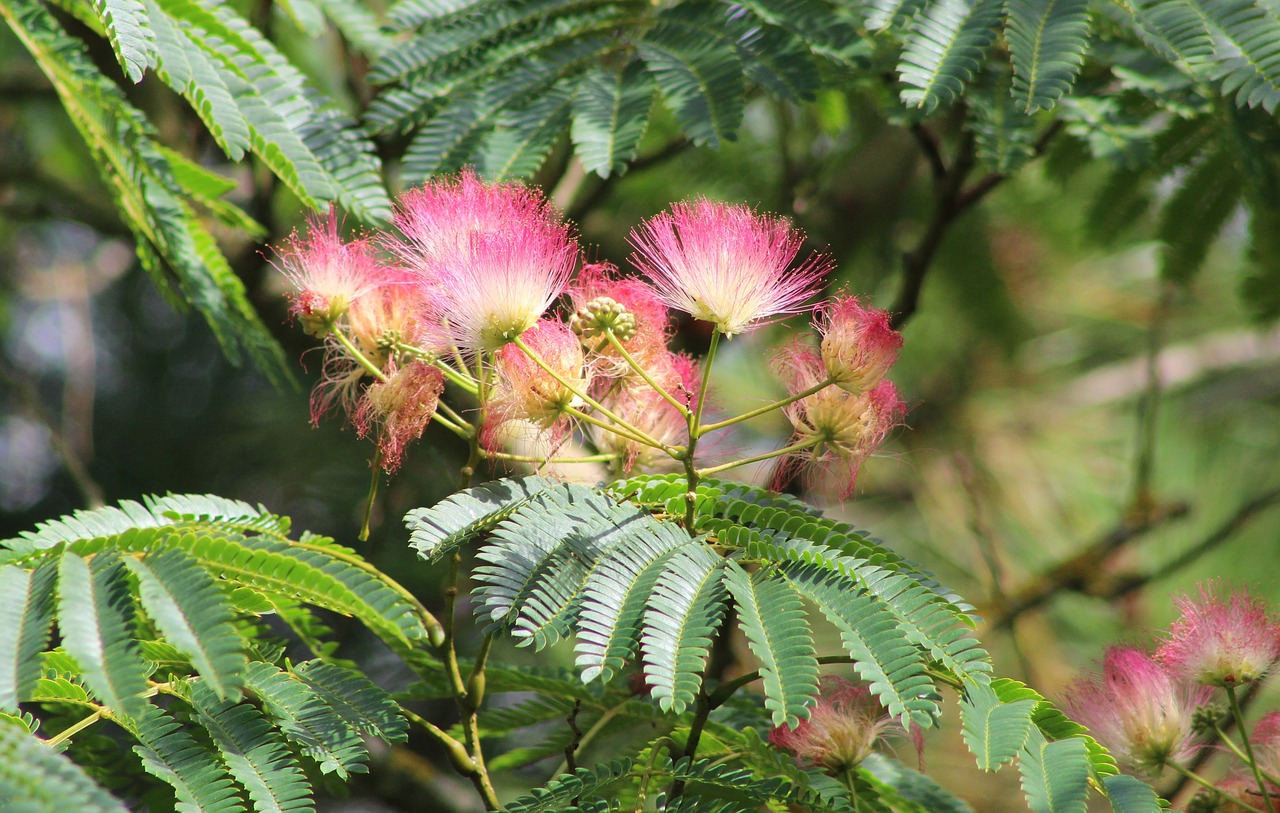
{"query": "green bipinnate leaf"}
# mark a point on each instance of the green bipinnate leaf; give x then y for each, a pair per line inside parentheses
(36, 779)
(1055, 775)
(994, 731)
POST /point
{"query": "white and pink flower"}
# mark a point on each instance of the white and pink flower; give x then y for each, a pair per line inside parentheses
(727, 265)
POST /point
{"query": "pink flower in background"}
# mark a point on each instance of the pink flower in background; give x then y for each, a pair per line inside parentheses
(1222, 643)
(395, 312)
(327, 273)
(1138, 709)
(652, 320)
(636, 402)
(490, 258)
(846, 427)
(1265, 740)
(843, 726)
(725, 264)
(399, 409)
(524, 391)
(858, 343)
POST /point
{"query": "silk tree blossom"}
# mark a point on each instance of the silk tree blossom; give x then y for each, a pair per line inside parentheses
(524, 391)
(858, 343)
(491, 258)
(1138, 709)
(399, 409)
(640, 405)
(327, 273)
(1222, 643)
(842, 428)
(843, 726)
(393, 314)
(1265, 741)
(725, 264)
(439, 218)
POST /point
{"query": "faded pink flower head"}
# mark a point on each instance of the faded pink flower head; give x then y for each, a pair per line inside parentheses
(846, 427)
(492, 258)
(842, 728)
(858, 343)
(399, 409)
(327, 273)
(652, 320)
(1265, 740)
(1138, 709)
(725, 264)
(524, 391)
(633, 400)
(392, 314)
(1222, 643)
(1243, 787)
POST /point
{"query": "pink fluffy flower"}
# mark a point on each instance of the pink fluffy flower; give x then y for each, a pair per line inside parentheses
(399, 409)
(1138, 709)
(842, 728)
(858, 343)
(844, 427)
(1266, 746)
(394, 313)
(491, 257)
(1222, 643)
(327, 273)
(725, 264)
(633, 400)
(524, 391)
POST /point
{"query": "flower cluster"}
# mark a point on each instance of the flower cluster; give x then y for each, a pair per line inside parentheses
(844, 723)
(1149, 707)
(482, 287)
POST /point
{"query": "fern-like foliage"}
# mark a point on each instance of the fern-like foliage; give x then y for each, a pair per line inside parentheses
(949, 39)
(1047, 42)
(616, 572)
(496, 84)
(570, 561)
(250, 97)
(195, 570)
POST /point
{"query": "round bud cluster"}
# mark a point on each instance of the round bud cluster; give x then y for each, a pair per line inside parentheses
(601, 314)
(1206, 718)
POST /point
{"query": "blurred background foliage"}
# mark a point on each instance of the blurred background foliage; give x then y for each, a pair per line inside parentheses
(1092, 427)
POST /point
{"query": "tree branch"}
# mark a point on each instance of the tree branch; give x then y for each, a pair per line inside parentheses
(951, 200)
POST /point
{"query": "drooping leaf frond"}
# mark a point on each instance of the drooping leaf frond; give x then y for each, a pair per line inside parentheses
(1054, 774)
(1195, 213)
(365, 707)
(949, 40)
(253, 751)
(35, 778)
(683, 614)
(437, 531)
(128, 26)
(200, 782)
(150, 202)
(307, 720)
(95, 617)
(772, 615)
(1128, 794)
(610, 114)
(994, 731)
(1047, 43)
(914, 786)
(26, 616)
(567, 791)
(185, 604)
